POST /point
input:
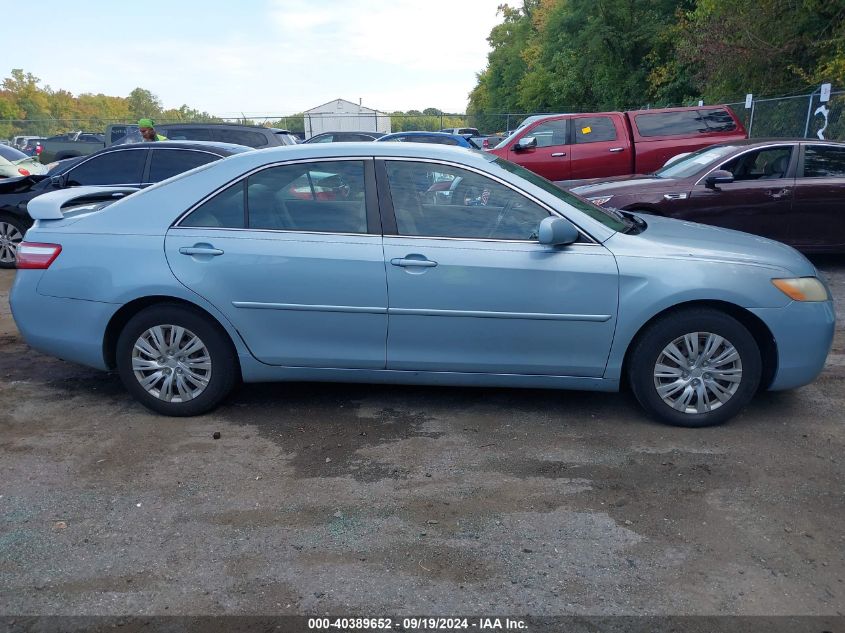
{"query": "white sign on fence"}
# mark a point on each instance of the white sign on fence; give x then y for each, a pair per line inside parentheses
(748, 99)
(825, 96)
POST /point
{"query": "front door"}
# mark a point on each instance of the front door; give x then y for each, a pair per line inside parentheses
(551, 158)
(472, 290)
(759, 201)
(600, 149)
(288, 256)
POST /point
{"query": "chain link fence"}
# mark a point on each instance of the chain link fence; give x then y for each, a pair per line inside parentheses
(803, 116)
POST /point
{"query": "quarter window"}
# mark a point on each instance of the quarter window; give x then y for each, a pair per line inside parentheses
(124, 167)
(432, 200)
(824, 162)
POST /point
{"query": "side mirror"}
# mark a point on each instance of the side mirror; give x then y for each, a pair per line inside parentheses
(557, 232)
(57, 181)
(526, 142)
(718, 177)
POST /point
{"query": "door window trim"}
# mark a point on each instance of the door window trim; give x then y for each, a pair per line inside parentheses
(790, 169)
(144, 170)
(386, 204)
(800, 167)
(372, 214)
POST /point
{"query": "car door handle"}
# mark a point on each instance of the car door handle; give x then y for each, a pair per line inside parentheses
(613, 150)
(777, 194)
(558, 154)
(400, 261)
(200, 250)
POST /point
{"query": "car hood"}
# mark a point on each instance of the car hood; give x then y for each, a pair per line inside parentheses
(597, 186)
(669, 238)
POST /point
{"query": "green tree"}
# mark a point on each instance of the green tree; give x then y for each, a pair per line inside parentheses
(143, 103)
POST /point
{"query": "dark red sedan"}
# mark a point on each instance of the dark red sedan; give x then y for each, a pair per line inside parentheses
(790, 190)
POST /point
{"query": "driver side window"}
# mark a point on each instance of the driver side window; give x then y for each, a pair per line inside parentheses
(764, 164)
(431, 200)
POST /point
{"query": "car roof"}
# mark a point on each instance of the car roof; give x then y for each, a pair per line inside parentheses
(225, 148)
(235, 126)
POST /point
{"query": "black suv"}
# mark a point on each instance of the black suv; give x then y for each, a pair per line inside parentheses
(252, 136)
(135, 165)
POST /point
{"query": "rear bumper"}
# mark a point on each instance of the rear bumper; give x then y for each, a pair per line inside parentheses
(70, 329)
(803, 332)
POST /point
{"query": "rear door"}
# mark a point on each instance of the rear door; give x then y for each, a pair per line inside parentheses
(292, 255)
(551, 158)
(819, 206)
(600, 147)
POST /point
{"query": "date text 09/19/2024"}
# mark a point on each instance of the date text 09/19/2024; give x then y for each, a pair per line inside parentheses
(417, 624)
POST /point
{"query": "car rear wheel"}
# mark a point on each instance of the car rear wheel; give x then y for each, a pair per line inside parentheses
(11, 234)
(695, 368)
(175, 360)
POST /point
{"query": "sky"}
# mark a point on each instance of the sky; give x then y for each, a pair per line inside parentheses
(257, 57)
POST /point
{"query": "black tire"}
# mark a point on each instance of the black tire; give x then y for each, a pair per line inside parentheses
(223, 368)
(649, 348)
(14, 228)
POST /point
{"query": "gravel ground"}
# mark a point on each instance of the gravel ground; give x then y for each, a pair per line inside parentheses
(379, 500)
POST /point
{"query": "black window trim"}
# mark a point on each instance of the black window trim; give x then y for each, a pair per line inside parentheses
(567, 133)
(135, 148)
(724, 161)
(372, 211)
(386, 204)
(146, 179)
(799, 171)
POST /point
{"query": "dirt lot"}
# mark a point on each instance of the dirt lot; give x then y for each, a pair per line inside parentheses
(395, 500)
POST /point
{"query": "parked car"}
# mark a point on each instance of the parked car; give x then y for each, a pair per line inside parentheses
(225, 273)
(790, 190)
(487, 142)
(249, 135)
(344, 137)
(15, 163)
(436, 138)
(132, 165)
(79, 144)
(597, 145)
(462, 131)
(33, 147)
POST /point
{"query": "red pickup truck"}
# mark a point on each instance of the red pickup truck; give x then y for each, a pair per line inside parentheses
(600, 144)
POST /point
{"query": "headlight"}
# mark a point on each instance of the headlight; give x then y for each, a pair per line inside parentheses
(600, 200)
(802, 288)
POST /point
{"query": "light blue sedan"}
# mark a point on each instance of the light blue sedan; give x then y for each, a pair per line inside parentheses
(343, 262)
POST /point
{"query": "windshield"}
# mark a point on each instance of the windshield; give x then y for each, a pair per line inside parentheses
(695, 162)
(606, 217)
(11, 154)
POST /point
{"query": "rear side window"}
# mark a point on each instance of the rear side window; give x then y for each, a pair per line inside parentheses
(187, 134)
(10, 153)
(824, 162)
(242, 137)
(326, 197)
(685, 122)
(169, 162)
(594, 129)
(124, 167)
(225, 210)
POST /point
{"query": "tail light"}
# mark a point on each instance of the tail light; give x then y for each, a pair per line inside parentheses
(485, 144)
(33, 255)
(23, 172)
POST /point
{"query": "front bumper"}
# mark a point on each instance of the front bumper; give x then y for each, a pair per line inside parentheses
(803, 333)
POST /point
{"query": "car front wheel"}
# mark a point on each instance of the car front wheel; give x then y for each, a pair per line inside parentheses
(175, 360)
(695, 368)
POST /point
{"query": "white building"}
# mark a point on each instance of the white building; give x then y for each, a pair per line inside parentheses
(341, 115)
